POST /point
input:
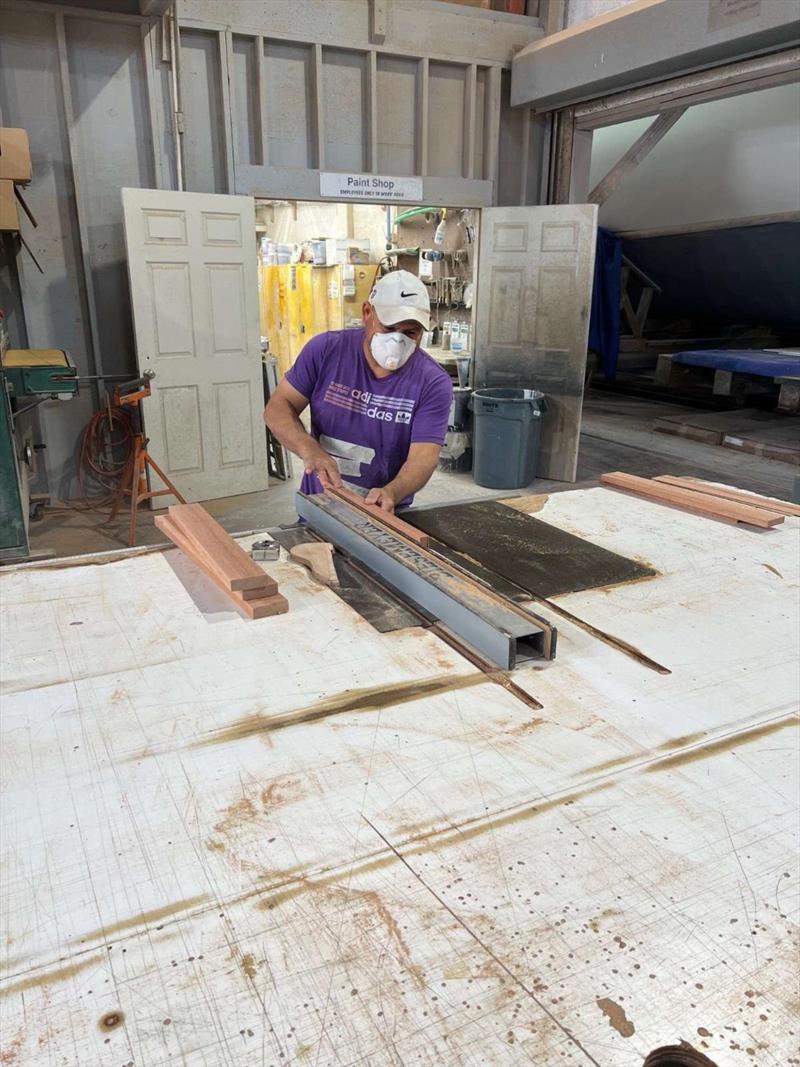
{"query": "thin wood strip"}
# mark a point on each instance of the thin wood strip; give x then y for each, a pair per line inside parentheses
(741, 496)
(260, 608)
(229, 561)
(258, 592)
(372, 112)
(686, 498)
(378, 515)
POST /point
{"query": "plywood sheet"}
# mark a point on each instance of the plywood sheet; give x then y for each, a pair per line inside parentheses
(532, 554)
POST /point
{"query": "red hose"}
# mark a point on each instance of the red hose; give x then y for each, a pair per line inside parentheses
(105, 455)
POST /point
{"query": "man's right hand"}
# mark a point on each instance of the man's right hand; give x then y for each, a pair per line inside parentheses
(319, 462)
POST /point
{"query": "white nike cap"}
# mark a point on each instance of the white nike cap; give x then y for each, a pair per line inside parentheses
(400, 296)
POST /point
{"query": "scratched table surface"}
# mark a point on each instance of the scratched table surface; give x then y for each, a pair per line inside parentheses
(229, 843)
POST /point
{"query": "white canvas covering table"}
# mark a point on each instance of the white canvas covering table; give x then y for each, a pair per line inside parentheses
(298, 841)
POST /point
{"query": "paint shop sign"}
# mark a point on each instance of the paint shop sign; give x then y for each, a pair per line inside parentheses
(369, 187)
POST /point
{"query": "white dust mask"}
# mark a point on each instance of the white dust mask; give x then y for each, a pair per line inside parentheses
(392, 350)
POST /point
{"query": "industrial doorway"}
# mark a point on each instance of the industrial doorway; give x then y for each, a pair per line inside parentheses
(318, 261)
(509, 291)
(225, 286)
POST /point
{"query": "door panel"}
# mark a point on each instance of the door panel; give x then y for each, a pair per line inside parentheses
(194, 290)
(532, 320)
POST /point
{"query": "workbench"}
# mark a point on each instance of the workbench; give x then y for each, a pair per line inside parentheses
(299, 841)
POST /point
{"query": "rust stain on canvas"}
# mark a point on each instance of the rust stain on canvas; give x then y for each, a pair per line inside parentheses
(616, 1017)
(352, 700)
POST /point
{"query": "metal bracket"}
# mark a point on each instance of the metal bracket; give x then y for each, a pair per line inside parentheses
(502, 634)
(266, 550)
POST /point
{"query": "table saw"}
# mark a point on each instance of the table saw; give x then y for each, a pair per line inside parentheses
(301, 840)
(27, 377)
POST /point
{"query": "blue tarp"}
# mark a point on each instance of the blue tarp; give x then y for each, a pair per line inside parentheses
(604, 321)
(743, 360)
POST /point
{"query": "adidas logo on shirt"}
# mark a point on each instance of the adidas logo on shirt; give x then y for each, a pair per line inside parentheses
(384, 408)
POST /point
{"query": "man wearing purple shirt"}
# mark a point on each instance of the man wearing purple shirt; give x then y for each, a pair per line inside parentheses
(379, 404)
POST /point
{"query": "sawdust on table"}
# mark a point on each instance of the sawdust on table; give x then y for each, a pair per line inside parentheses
(529, 504)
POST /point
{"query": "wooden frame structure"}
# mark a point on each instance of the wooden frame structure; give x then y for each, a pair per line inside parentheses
(666, 101)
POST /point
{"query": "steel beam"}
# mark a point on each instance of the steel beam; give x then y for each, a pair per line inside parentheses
(503, 635)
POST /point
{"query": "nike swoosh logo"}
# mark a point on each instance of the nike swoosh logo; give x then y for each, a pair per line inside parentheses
(406, 294)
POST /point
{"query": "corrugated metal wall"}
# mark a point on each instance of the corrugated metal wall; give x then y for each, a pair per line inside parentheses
(271, 94)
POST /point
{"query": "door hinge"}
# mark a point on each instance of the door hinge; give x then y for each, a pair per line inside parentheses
(179, 122)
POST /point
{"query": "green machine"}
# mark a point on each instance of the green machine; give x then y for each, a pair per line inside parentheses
(27, 377)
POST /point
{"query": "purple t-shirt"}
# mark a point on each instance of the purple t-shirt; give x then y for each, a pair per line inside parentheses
(369, 423)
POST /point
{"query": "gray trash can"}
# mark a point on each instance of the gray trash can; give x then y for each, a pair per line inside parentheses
(505, 430)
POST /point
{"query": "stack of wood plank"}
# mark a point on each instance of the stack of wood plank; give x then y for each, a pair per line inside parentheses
(718, 501)
(191, 528)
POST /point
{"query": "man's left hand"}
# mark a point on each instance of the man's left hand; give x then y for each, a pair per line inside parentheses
(383, 498)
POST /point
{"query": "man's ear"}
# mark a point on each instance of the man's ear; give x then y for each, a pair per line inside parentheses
(366, 309)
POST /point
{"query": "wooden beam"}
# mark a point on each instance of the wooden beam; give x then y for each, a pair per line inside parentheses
(228, 561)
(580, 165)
(261, 100)
(318, 106)
(726, 492)
(639, 150)
(493, 106)
(561, 156)
(524, 157)
(384, 518)
(81, 209)
(371, 148)
(552, 14)
(421, 124)
(255, 607)
(149, 31)
(745, 76)
(712, 224)
(640, 274)
(378, 21)
(690, 500)
(154, 8)
(470, 119)
(225, 51)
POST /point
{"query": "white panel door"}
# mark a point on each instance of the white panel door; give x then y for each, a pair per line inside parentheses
(534, 297)
(194, 290)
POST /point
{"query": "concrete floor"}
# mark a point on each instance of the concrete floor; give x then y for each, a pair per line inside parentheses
(616, 434)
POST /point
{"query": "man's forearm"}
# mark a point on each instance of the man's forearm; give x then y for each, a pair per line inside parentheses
(285, 424)
(413, 475)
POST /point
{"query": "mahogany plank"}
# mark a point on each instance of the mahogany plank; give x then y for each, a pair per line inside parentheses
(780, 507)
(257, 592)
(229, 561)
(392, 522)
(261, 609)
(690, 500)
(256, 608)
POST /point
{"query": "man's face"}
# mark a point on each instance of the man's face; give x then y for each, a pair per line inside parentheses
(372, 325)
